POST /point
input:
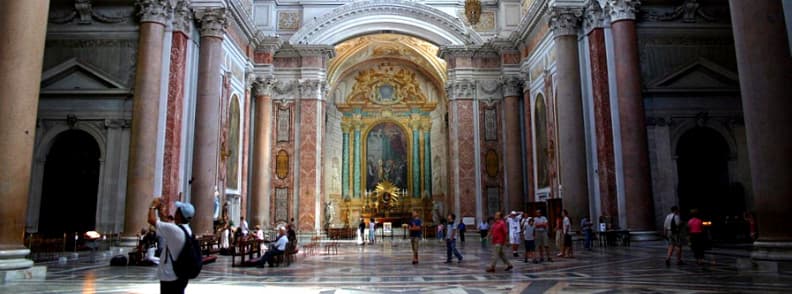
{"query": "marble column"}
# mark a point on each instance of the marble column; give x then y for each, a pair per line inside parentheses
(635, 160)
(311, 128)
(427, 174)
(171, 173)
(261, 189)
(513, 142)
(602, 111)
(207, 117)
(564, 24)
(24, 27)
(145, 114)
(416, 161)
(345, 192)
(528, 136)
(356, 163)
(765, 67)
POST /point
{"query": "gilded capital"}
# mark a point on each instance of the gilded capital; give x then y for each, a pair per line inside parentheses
(622, 9)
(565, 21)
(154, 10)
(182, 17)
(213, 21)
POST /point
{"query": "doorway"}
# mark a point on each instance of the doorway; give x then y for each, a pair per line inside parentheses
(70, 185)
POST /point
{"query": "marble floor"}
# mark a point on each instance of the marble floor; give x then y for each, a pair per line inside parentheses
(385, 268)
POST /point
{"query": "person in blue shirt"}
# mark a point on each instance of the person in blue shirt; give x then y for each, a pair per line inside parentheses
(415, 235)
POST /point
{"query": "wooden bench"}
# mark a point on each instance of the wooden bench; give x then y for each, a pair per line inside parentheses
(209, 244)
(243, 248)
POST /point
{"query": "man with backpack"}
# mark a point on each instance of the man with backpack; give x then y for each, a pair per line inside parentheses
(671, 233)
(179, 262)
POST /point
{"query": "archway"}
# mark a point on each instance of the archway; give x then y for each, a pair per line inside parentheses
(70, 185)
(702, 167)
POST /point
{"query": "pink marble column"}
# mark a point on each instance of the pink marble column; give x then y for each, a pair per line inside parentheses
(311, 108)
(206, 154)
(145, 115)
(602, 123)
(564, 23)
(24, 25)
(765, 67)
(513, 145)
(528, 134)
(171, 173)
(462, 186)
(635, 160)
(262, 153)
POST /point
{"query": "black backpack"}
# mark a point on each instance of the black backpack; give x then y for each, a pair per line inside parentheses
(189, 262)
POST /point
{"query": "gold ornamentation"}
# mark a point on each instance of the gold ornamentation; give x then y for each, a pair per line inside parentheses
(282, 164)
(473, 11)
(387, 195)
(491, 162)
(387, 85)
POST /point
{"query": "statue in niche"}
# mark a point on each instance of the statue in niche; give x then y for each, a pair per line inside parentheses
(437, 213)
(330, 213)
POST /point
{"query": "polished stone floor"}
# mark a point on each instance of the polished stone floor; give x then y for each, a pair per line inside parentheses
(385, 268)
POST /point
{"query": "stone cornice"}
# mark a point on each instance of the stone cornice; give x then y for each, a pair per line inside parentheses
(451, 51)
(269, 44)
(593, 17)
(311, 88)
(182, 17)
(326, 51)
(622, 9)
(157, 11)
(565, 21)
(213, 21)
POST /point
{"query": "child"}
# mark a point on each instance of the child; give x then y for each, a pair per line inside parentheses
(530, 246)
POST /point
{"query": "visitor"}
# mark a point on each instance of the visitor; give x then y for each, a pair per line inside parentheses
(696, 235)
(441, 229)
(483, 228)
(671, 233)
(451, 234)
(461, 229)
(372, 229)
(498, 234)
(415, 235)
(559, 236)
(528, 236)
(588, 232)
(514, 231)
(567, 229)
(540, 234)
(243, 225)
(278, 248)
(361, 231)
(174, 235)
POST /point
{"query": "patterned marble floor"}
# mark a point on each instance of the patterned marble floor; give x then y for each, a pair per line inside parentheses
(385, 268)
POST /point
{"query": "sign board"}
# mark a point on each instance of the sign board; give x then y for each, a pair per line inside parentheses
(387, 227)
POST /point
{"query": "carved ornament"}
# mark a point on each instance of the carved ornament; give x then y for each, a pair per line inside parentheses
(462, 89)
(512, 87)
(387, 85)
(182, 17)
(593, 17)
(622, 9)
(213, 21)
(565, 21)
(263, 87)
(155, 10)
(311, 88)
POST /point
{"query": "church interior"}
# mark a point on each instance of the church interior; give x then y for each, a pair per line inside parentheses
(323, 115)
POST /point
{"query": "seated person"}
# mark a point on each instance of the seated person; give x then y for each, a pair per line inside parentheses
(278, 248)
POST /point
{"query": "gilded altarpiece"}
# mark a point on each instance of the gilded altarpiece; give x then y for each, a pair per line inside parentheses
(386, 125)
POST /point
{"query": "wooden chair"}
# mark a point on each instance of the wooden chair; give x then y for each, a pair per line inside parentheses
(245, 247)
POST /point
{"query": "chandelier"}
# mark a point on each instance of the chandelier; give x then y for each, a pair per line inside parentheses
(473, 11)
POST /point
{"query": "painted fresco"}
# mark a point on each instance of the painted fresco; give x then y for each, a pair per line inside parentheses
(386, 156)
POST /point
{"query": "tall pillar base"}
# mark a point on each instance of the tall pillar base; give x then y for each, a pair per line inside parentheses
(772, 251)
(644, 236)
(15, 267)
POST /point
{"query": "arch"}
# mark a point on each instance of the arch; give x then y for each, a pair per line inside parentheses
(690, 124)
(376, 16)
(70, 184)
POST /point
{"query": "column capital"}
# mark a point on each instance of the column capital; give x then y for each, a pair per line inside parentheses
(312, 88)
(213, 21)
(565, 21)
(264, 86)
(622, 9)
(182, 17)
(346, 127)
(512, 86)
(158, 11)
(460, 89)
(593, 16)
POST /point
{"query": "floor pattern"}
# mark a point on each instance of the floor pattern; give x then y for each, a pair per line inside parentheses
(385, 267)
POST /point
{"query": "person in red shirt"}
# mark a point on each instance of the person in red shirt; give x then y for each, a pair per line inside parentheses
(696, 235)
(498, 232)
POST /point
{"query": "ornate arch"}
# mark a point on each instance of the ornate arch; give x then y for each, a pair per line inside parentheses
(376, 16)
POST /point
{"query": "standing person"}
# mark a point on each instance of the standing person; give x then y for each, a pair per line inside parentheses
(559, 236)
(483, 228)
(415, 235)
(372, 229)
(461, 228)
(175, 236)
(243, 225)
(451, 235)
(361, 230)
(671, 232)
(498, 234)
(528, 235)
(441, 229)
(586, 226)
(514, 231)
(567, 230)
(696, 235)
(540, 234)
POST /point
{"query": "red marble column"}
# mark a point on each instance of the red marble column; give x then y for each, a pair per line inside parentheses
(765, 67)
(528, 134)
(171, 173)
(603, 125)
(571, 137)
(145, 116)
(262, 154)
(513, 150)
(462, 155)
(24, 27)
(634, 146)
(207, 118)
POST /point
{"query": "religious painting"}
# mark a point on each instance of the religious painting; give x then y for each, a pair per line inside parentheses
(386, 156)
(282, 164)
(491, 163)
(232, 151)
(542, 150)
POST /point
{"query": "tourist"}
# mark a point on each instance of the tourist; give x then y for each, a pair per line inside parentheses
(361, 231)
(243, 225)
(567, 229)
(278, 248)
(441, 229)
(372, 229)
(514, 231)
(528, 236)
(450, 239)
(483, 228)
(461, 229)
(540, 234)
(671, 233)
(696, 235)
(498, 234)
(174, 235)
(415, 235)
(559, 236)
(588, 234)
